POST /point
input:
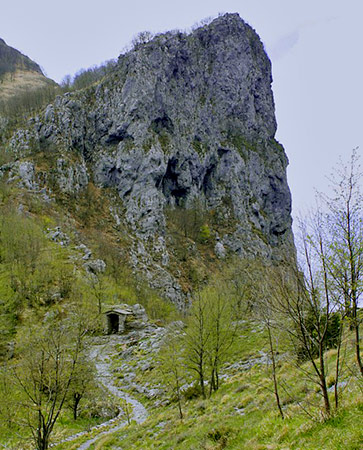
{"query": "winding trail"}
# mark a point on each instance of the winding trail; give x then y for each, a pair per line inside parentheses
(100, 354)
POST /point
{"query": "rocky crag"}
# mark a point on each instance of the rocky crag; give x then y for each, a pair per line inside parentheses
(183, 122)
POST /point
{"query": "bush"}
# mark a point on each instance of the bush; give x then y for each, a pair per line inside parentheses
(141, 38)
(331, 339)
(193, 391)
(204, 233)
(219, 435)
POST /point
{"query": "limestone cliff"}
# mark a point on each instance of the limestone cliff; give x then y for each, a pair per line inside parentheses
(182, 120)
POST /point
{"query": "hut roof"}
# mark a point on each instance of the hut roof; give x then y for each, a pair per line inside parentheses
(120, 311)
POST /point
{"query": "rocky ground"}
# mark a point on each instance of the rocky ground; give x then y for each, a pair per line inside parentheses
(104, 351)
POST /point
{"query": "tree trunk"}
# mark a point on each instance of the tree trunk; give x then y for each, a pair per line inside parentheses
(357, 338)
(43, 440)
(357, 347)
(322, 377)
(201, 380)
(179, 403)
(76, 400)
(337, 366)
(276, 391)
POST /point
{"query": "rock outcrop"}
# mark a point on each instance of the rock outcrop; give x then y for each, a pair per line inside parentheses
(182, 120)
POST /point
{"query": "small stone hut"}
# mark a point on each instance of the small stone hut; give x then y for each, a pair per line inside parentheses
(123, 317)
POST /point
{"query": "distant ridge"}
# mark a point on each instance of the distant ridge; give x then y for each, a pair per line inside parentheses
(12, 60)
(19, 74)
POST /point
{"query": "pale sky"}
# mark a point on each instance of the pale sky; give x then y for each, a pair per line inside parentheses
(315, 47)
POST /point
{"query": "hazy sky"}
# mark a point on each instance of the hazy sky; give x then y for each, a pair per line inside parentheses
(315, 47)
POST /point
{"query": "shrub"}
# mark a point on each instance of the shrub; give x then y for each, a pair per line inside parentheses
(193, 391)
(219, 435)
(204, 233)
(331, 337)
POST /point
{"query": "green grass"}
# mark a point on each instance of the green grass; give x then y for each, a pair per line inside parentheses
(215, 424)
(242, 413)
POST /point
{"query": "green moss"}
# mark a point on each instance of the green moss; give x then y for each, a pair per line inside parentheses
(164, 140)
(202, 99)
(259, 233)
(200, 147)
(148, 143)
(241, 144)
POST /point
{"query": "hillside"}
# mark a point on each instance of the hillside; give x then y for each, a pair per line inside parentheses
(12, 60)
(19, 75)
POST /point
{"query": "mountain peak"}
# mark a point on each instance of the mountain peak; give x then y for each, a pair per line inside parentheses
(183, 122)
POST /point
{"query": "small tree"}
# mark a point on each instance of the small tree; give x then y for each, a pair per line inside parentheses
(98, 288)
(82, 382)
(264, 312)
(344, 222)
(222, 331)
(49, 357)
(172, 364)
(209, 335)
(303, 301)
(126, 409)
(141, 38)
(197, 339)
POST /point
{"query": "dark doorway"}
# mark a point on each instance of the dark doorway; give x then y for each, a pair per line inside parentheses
(113, 322)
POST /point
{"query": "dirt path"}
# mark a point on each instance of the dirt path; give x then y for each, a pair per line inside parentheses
(100, 355)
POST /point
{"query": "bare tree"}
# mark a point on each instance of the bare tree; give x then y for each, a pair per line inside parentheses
(82, 382)
(273, 363)
(303, 300)
(196, 340)
(44, 374)
(172, 364)
(295, 305)
(98, 288)
(209, 335)
(265, 313)
(344, 221)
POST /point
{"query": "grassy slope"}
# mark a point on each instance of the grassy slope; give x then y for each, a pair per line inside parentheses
(22, 81)
(19, 74)
(242, 414)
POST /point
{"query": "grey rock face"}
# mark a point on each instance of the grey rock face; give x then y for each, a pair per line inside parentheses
(139, 312)
(24, 173)
(71, 178)
(87, 253)
(220, 250)
(182, 118)
(95, 266)
(57, 235)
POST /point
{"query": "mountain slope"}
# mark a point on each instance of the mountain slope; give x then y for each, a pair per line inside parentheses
(18, 73)
(182, 130)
